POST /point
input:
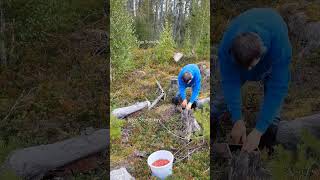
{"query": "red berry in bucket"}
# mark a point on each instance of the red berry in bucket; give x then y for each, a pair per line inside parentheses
(160, 162)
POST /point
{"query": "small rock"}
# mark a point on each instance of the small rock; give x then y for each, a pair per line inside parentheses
(142, 154)
(177, 56)
(120, 174)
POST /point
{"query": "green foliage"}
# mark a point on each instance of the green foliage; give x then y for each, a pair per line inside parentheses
(144, 24)
(6, 148)
(115, 127)
(203, 117)
(36, 20)
(199, 26)
(187, 44)
(298, 165)
(165, 49)
(122, 40)
(9, 175)
(197, 167)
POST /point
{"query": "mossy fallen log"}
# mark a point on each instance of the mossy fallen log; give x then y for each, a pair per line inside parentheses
(35, 162)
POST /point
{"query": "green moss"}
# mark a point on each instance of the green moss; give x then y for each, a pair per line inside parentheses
(298, 165)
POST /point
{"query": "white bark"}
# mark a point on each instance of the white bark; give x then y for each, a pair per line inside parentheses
(123, 112)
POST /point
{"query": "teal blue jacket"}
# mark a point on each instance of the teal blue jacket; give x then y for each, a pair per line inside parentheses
(272, 29)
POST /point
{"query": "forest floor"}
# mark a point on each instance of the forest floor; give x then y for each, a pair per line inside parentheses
(148, 130)
(55, 91)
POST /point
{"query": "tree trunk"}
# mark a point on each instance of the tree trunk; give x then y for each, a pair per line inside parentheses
(3, 54)
(161, 22)
(156, 20)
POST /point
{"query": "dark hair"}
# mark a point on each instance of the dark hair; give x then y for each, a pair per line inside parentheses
(186, 77)
(246, 47)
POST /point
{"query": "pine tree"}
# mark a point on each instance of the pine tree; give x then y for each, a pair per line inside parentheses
(122, 40)
(187, 45)
(199, 26)
(115, 127)
(144, 21)
(165, 49)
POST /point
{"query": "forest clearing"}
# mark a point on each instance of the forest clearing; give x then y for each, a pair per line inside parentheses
(134, 138)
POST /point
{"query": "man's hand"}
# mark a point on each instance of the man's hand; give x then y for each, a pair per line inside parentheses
(253, 141)
(184, 103)
(238, 132)
(189, 106)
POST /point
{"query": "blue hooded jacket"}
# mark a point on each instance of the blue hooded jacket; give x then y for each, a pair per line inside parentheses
(195, 82)
(270, 26)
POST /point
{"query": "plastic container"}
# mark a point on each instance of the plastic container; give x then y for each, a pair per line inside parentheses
(161, 171)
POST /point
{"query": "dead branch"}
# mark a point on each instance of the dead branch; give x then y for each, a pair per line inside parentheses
(161, 96)
(17, 102)
(183, 138)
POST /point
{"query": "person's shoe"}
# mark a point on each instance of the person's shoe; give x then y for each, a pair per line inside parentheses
(194, 105)
(268, 139)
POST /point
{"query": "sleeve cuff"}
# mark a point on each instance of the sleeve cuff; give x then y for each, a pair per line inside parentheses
(261, 126)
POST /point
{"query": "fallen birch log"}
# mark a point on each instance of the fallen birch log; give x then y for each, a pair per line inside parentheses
(35, 162)
(289, 132)
(202, 102)
(123, 112)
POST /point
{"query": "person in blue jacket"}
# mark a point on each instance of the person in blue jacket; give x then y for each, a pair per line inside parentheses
(189, 76)
(255, 47)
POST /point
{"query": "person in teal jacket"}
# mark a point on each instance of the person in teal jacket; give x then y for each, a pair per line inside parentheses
(189, 76)
(255, 47)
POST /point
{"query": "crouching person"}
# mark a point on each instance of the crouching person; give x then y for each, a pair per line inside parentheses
(189, 76)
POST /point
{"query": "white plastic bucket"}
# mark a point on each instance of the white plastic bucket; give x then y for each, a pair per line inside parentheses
(162, 171)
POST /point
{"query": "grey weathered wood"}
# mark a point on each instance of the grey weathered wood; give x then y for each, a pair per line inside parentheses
(202, 102)
(190, 123)
(161, 96)
(245, 166)
(126, 111)
(120, 174)
(289, 132)
(34, 162)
